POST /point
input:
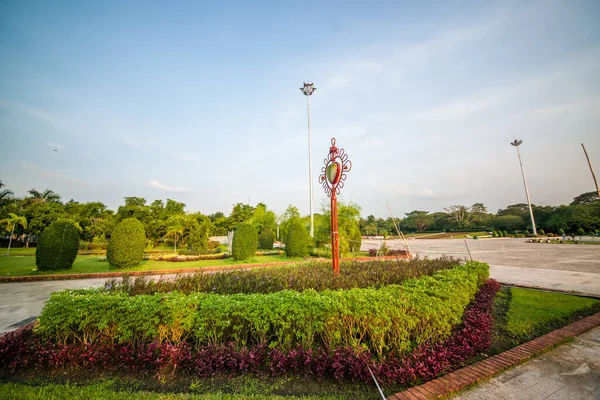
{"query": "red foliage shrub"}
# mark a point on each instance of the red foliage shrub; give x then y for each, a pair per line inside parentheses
(23, 350)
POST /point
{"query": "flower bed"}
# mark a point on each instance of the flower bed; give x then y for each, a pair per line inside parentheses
(24, 350)
(299, 277)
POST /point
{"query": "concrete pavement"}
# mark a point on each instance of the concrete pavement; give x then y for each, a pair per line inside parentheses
(570, 372)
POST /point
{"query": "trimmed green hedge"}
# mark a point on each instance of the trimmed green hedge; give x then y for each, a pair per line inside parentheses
(127, 244)
(297, 242)
(245, 242)
(394, 318)
(266, 239)
(57, 247)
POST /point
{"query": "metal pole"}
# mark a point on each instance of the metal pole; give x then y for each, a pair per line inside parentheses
(310, 181)
(591, 169)
(335, 243)
(526, 190)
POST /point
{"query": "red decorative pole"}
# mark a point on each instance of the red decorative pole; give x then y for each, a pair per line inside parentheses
(332, 177)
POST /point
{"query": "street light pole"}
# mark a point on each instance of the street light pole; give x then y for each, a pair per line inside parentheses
(308, 89)
(516, 143)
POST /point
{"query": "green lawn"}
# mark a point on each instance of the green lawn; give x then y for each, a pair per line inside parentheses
(25, 266)
(105, 391)
(530, 310)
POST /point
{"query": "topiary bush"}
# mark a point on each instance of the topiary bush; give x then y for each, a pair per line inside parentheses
(561, 231)
(266, 239)
(580, 232)
(127, 244)
(57, 247)
(297, 242)
(245, 241)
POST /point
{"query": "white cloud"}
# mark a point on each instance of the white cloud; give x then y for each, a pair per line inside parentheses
(175, 189)
(185, 157)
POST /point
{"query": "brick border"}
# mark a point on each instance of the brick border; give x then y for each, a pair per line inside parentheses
(66, 277)
(463, 378)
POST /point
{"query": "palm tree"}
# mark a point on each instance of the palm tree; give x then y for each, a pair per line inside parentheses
(176, 226)
(45, 196)
(10, 223)
(4, 193)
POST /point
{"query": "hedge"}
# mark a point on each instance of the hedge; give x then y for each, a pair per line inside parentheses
(22, 350)
(315, 275)
(245, 242)
(127, 244)
(395, 318)
(57, 247)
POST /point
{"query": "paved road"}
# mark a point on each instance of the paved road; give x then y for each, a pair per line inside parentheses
(566, 267)
(562, 267)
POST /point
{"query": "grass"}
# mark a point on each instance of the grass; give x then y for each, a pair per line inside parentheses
(25, 266)
(531, 309)
(521, 315)
(107, 390)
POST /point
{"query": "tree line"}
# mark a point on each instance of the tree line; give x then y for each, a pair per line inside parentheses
(166, 222)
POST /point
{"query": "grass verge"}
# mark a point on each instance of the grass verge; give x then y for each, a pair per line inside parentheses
(25, 266)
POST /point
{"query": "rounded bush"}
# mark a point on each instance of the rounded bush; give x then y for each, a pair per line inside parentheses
(57, 247)
(266, 239)
(245, 241)
(297, 242)
(580, 232)
(126, 245)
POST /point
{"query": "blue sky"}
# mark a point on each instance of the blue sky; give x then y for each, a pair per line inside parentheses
(198, 101)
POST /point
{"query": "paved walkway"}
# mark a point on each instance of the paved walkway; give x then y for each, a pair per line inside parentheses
(572, 371)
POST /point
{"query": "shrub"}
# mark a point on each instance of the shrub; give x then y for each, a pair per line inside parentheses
(127, 244)
(297, 242)
(541, 232)
(198, 241)
(580, 232)
(245, 241)
(505, 234)
(22, 350)
(57, 247)
(561, 231)
(266, 239)
(494, 234)
(316, 276)
(393, 318)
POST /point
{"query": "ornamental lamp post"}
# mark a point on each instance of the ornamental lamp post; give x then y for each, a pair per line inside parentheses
(516, 143)
(333, 175)
(308, 89)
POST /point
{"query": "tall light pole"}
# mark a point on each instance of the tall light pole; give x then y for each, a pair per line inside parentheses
(516, 143)
(308, 89)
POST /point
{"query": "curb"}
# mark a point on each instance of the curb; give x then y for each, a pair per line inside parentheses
(67, 277)
(463, 378)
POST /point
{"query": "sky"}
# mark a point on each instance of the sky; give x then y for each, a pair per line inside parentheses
(198, 101)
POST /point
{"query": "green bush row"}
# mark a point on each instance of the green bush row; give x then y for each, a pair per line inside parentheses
(393, 318)
(316, 276)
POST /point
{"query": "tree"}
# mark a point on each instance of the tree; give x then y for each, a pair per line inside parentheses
(460, 214)
(418, 220)
(479, 215)
(127, 244)
(5, 194)
(288, 218)
(508, 222)
(585, 198)
(175, 227)
(297, 240)
(45, 196)
(57, 247)
(239, 214)
(10, 222)
(245, 241)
